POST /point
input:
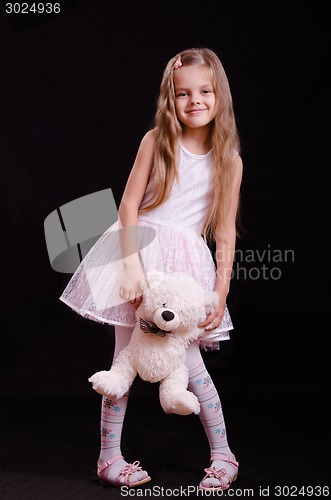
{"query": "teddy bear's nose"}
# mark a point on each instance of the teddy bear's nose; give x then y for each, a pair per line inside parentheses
(167, 315)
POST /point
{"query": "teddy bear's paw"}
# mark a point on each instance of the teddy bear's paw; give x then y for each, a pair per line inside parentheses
(103, 383)
(182, 403)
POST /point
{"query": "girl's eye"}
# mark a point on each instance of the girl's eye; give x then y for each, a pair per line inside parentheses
(207, 91)
(181, 94)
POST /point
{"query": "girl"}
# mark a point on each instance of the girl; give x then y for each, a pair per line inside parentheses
(183, 190)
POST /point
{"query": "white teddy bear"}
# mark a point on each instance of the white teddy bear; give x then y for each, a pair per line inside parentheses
(173, 306)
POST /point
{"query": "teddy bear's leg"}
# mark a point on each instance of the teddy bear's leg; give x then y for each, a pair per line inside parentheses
(115, 382)
(174, 396)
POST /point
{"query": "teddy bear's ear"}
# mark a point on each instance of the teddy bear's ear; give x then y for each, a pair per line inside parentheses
(210, 300)
(152, 279)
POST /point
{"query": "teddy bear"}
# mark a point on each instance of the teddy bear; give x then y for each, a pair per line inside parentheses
(167, 322)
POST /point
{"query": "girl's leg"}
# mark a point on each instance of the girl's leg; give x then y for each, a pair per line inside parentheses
(212, 419)
(112, 419)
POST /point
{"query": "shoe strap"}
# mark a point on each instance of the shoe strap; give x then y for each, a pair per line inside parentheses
(224, 458)
(104, 465)
(125, 473)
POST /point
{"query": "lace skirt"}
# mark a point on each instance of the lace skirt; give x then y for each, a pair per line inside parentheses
(93, 290)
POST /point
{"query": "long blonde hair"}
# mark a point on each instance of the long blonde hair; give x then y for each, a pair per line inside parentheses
(224, 139)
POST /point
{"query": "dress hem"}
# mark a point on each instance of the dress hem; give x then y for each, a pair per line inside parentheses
(100, 319)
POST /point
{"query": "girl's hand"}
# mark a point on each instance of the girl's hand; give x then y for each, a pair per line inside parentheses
(130, 284)
(214, 319)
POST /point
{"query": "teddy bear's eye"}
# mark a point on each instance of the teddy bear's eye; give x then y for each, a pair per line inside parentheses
(164, 305)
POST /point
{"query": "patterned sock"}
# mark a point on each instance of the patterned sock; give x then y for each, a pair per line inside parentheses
(112, 419)
(111, 425)
(211, 415)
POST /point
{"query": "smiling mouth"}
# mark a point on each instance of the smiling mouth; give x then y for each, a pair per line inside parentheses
(196, 111)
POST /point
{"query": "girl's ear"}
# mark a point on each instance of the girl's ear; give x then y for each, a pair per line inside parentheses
(210, 301)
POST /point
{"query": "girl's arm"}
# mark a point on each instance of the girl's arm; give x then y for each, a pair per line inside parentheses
(128, 219)
(225, 247)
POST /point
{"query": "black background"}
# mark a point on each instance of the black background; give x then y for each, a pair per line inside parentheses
(78, 91)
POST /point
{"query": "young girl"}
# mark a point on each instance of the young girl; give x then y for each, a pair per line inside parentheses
(183, 190)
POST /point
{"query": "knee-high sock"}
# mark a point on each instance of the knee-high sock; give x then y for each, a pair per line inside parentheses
(211, 415)
(113, 412)
(112, 419)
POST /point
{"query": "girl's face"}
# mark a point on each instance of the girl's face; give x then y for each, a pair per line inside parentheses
(194, 96)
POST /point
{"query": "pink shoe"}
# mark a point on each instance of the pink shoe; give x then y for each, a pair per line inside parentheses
(220, 474)
(123, 479)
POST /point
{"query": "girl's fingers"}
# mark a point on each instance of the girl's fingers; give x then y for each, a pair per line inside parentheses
(137, 302)
(133, 297)
(125, 295)
(208, 321)
(211, 322)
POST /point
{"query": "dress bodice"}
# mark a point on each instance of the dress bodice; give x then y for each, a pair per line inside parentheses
(190, 196)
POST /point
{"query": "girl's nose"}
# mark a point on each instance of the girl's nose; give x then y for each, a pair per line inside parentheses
(195, 100)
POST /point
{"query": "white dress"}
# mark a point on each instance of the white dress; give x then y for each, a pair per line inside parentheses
(169, 239)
